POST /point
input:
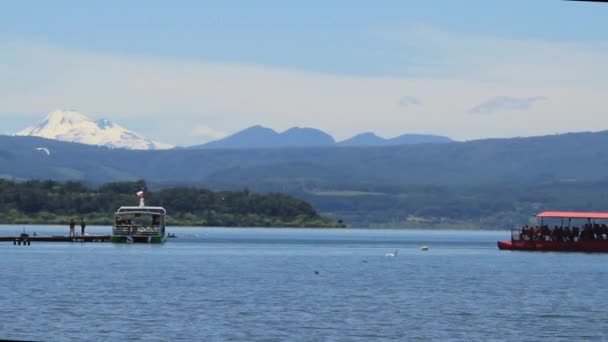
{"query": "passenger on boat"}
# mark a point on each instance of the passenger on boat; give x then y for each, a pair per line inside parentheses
(545, 233)
(597, 233)
(563, 235)
(537, 233)
(575, 233)
(587, 233)
(531, 232)
(604, 230)
(568, 234)
(523, 233)
(555, 234)
(558, 234)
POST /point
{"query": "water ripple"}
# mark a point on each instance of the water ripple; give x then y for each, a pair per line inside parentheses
(301, 285)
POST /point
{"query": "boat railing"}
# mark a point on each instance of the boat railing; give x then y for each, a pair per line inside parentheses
(121, 230)
(517, 234)
(137, 230)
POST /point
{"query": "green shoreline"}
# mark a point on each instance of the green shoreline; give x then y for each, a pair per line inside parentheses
(51, 202)
(96, 220)
(443, 229)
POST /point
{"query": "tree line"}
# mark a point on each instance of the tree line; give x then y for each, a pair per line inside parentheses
(52, 202)
(497, 206)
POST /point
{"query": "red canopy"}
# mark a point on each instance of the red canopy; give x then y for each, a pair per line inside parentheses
(572, 214)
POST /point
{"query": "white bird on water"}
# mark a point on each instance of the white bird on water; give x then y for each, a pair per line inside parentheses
(393, 254)
(45, 150)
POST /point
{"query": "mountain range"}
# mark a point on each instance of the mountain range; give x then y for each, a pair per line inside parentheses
(263, 137)
(572, 156)
(371, 139)
(564, 157)
(498, 181)
(73, 126)
(363, 184)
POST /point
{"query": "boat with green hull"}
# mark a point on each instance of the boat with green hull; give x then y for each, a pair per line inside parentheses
(141, 224)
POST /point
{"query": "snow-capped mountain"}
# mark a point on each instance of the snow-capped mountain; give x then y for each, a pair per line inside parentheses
(75, 127)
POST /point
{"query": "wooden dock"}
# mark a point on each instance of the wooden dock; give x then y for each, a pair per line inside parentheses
(20, 239)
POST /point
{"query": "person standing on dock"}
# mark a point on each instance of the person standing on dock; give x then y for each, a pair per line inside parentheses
(83, 225)
(72, 225)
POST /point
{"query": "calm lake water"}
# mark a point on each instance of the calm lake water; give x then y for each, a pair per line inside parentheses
(299, 285)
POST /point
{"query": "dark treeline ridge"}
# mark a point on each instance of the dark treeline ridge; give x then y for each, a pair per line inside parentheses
(497, 206)
(51, 202)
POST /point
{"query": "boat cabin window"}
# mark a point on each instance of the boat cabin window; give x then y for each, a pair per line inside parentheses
(138, 220)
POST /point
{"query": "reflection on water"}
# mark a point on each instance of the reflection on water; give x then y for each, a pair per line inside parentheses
(299, 284)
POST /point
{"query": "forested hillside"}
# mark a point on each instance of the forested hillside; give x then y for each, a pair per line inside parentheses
(494, 183)
(46, 202)
(463, 207)
(577, 157)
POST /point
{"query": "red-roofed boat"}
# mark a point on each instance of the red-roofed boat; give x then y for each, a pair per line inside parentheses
(584, 232)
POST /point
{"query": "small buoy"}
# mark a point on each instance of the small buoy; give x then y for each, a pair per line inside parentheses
(424, 248)
(316, 272)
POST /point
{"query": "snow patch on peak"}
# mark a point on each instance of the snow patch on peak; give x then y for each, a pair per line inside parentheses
(67, 115)
(75, 127)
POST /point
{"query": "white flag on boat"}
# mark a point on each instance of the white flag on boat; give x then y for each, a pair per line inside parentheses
(140, 194)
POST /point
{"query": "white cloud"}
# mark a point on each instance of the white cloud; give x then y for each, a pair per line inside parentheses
(181, 95)
(407, 101)
(433, 52)
(206, 133)
(501, 103)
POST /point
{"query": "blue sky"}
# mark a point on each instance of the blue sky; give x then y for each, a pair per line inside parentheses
(190, 71)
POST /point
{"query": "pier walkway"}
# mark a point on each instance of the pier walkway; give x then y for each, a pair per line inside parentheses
(55, 238)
